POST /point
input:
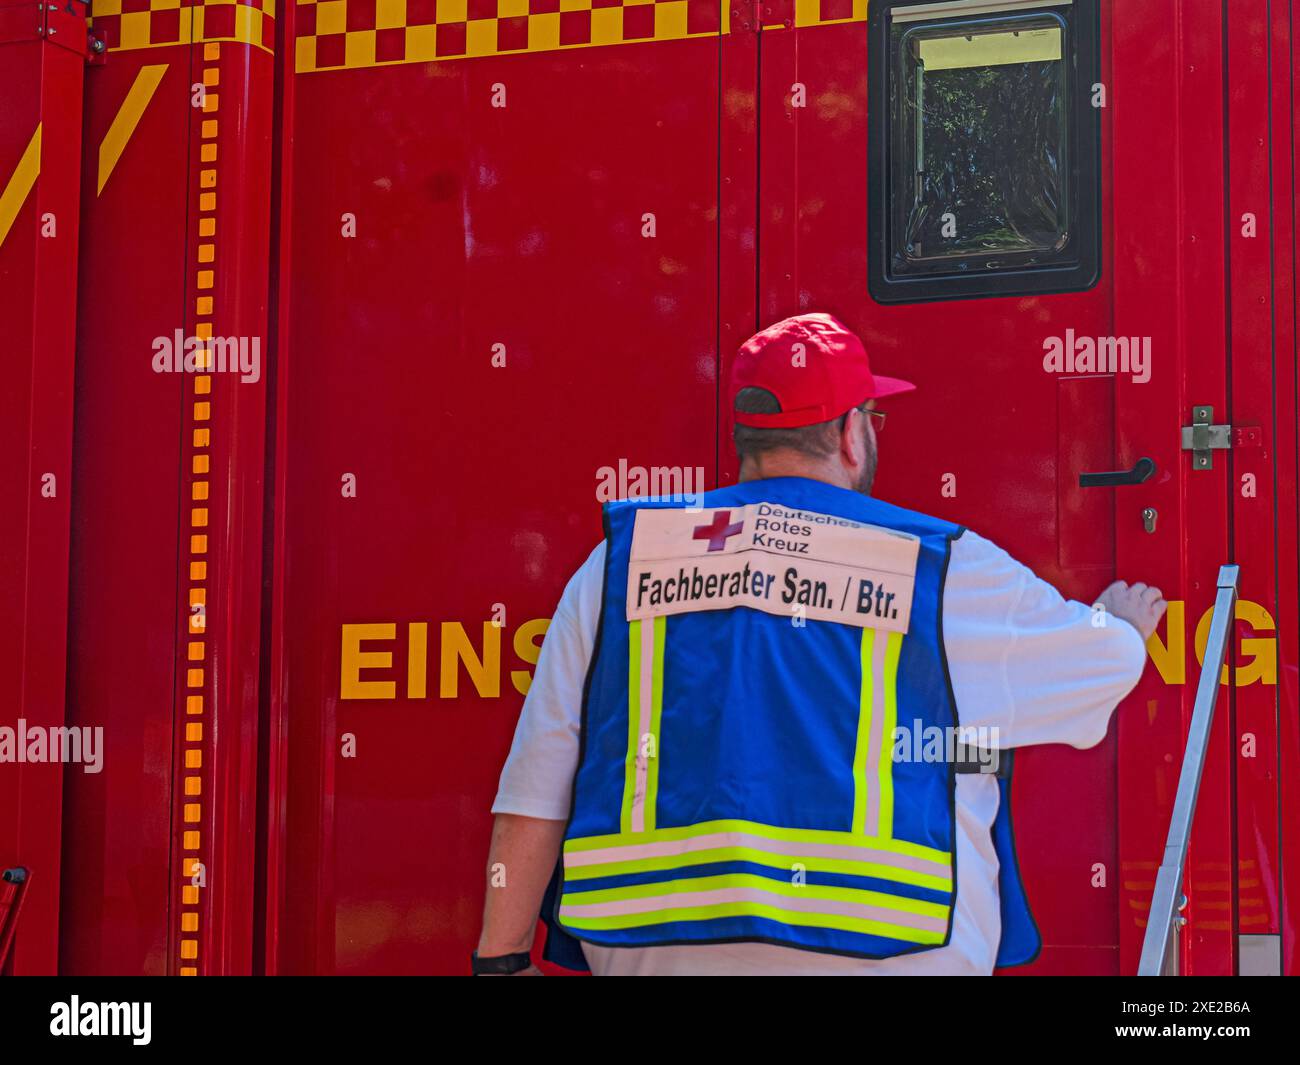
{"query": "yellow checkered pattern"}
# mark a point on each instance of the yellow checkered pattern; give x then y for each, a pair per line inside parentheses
(126, 25)
(352, 34)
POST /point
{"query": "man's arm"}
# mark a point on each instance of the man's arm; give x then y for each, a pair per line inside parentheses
(523, 855)
(532, 803)
(1036, 667)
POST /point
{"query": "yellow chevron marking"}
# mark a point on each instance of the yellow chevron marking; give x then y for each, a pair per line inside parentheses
(127, 118)
(20, 183)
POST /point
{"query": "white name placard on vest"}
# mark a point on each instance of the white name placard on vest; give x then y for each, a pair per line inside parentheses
(778, 559)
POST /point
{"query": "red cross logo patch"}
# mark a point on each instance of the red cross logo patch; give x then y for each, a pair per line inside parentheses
(717, 533)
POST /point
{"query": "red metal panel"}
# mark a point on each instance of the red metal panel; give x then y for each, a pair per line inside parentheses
(221, 476)
(779, 160)
(1210, 946)
(124, 541)
(273, 752)
(978, 365)
(1146, 230)
(40, 141)
(501, 209)
(738, 208)
(1250, 468)
(1170, 278)
(1283, 57)
(176, 193)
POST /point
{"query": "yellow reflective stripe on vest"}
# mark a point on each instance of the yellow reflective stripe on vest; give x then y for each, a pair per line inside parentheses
(651, 742)
(744, 894)
(645, 696)
(873, 764)
(920, 908)
(747, 841)
(886, 766)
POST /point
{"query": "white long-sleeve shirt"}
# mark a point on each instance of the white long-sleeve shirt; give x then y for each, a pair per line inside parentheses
(1024, 661)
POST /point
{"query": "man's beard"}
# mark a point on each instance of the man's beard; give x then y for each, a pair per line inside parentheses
(868, 475)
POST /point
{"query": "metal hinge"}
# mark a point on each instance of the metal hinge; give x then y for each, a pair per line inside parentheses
(62, 24)
(744, 16)
(753, 16)
(1202, 438)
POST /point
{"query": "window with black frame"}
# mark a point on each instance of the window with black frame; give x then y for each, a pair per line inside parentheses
(984, 149)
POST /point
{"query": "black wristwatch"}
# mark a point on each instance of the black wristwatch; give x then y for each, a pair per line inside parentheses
(502, 965)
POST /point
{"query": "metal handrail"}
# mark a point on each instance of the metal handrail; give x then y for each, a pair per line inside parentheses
(1160, 944)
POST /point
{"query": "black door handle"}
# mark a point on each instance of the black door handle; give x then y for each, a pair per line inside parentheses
(1142, 470)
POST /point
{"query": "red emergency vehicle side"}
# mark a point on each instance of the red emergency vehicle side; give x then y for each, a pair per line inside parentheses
(490, 257)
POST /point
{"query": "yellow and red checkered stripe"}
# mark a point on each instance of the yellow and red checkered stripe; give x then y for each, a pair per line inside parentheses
(347, 34)
(130, 24)
(198, 681)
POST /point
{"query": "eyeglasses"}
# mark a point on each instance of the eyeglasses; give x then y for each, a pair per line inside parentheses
(880, 414)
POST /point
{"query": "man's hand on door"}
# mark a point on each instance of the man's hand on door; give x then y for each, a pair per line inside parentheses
(1141, 605)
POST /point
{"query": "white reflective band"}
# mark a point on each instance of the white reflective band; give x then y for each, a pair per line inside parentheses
(668, 848)
(658, 909)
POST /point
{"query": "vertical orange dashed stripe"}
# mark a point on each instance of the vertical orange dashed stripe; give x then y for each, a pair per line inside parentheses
(196, 646)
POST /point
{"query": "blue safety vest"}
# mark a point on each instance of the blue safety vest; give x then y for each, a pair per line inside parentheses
(738, 780)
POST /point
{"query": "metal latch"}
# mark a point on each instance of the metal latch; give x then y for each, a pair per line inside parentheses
(1202, 438)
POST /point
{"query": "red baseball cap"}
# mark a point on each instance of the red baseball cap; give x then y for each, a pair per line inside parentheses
(832, 376)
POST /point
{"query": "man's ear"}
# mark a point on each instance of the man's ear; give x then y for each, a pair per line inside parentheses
(852, 446)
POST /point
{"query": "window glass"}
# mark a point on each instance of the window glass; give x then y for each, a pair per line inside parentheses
(979, 152)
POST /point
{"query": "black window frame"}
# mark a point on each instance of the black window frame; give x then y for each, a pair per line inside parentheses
(1082, 269)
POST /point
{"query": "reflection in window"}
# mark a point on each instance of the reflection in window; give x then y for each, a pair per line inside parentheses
(979, 142)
